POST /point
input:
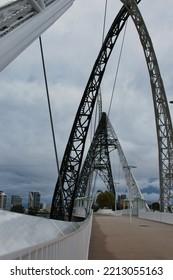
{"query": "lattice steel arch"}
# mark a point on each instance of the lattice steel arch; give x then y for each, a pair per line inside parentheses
(105, 135)
(162, 114)
(98, 160)
(65, 189)
(136, 194)
(73, 154)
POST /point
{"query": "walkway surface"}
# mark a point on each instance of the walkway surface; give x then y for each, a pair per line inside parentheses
(115, 238)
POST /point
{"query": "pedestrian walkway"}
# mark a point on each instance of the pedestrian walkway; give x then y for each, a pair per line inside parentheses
(115, 238)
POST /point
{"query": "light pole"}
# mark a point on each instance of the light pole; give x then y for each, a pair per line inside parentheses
(129, 167)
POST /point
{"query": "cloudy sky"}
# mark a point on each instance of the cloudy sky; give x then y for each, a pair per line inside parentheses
(71, 45)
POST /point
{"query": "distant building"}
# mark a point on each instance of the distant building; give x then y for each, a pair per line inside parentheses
(43, 206)
(123, 202)
(48, 208)
(3, 200)
(16, 200)
(34, 200)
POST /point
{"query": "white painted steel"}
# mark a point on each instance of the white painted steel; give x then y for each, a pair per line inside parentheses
(27, 237)
(157, 216)
(17, 40)
(35, 5)
(166, 218)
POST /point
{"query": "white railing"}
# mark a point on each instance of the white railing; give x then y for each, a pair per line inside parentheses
(69, 246)
(157, 216)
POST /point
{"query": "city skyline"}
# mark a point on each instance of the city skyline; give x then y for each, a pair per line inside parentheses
(13, 200)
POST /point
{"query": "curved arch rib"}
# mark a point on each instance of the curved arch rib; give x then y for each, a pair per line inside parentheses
(162, 114)
(73, 155)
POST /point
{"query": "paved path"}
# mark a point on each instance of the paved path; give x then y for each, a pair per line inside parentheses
(115, 238)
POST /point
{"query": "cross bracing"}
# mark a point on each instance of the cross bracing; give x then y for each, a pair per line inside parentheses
(161, 109)
(70, 168)
(65, 190)
(133, 188)
(98, 160)
(104, 142)
(66, 186)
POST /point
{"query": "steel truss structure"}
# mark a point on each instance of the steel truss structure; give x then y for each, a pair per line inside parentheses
(162, 114)
(137, 198)
(105, 141)
(23, 21)
(66, 186)
(71, 163)
(98, 160)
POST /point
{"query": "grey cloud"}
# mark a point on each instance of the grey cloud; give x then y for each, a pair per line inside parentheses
(71, 47)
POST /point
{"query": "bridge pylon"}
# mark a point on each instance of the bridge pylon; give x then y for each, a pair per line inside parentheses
(98, 160)
(104, 141)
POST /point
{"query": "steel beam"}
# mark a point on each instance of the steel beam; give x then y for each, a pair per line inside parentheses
(161, 109)
(71, 163)
(23, 21)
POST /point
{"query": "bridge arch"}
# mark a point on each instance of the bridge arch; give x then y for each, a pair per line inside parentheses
(66, 186)
(161, 109)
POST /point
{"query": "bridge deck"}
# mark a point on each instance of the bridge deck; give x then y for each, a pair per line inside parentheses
(114, 237)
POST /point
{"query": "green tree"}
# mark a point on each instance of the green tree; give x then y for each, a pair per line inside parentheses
(33, 211)
(17, 209)
(105, 200)
(155, 206)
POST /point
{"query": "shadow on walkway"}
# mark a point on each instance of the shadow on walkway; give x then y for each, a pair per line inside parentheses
(97, 249)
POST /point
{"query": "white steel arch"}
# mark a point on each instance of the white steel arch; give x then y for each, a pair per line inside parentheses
(23, 21)
(134, 190)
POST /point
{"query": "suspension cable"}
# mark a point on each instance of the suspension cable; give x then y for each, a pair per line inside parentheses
(104, 22)
(118, 65)
(99, 98)
(49, 106)
(51, 119)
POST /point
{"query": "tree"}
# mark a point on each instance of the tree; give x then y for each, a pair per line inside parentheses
(105, 200)
(155, 206)
(17, 209)
(33, 211)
